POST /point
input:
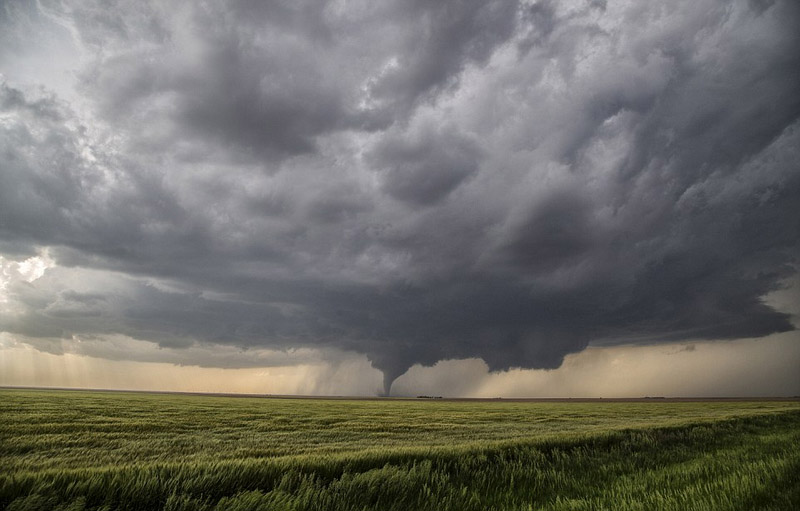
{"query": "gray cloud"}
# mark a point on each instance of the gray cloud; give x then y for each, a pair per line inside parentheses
(425, 166)
(414, 182)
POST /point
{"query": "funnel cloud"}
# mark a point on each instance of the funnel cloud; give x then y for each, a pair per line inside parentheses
(410, 181)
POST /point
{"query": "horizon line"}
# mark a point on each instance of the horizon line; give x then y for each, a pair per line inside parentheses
(656, 398)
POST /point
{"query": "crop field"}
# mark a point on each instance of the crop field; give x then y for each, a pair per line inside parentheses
(75, 450)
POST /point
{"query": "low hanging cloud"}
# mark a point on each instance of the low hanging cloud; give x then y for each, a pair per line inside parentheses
(414, 182)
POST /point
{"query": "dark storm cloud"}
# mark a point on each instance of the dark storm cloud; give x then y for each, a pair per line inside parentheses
(412, 181)
(439, 39)
(427, 166)
(269, 79)
(557, 231)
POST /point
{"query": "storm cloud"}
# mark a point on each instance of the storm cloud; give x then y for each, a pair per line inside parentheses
(411, 181)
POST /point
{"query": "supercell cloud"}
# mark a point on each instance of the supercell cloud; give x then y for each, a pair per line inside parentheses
(412, 181)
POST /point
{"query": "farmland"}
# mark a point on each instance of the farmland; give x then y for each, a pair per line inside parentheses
(112, 450)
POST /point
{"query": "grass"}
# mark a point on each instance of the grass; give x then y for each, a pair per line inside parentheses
(95, 450)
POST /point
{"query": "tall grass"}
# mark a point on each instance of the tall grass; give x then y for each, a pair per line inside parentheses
(738, 456)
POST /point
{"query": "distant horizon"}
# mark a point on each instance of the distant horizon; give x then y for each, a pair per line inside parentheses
(419, 397)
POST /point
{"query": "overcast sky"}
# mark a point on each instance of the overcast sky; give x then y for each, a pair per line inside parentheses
(335, 191)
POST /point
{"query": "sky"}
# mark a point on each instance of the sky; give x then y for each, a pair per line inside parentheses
(461, 198)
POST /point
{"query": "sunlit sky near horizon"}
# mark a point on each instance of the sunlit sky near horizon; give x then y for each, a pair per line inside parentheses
(457, 198)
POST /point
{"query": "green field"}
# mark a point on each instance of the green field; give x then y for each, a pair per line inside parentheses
(112, 450)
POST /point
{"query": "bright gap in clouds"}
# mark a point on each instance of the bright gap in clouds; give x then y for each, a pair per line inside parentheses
(26, 270)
